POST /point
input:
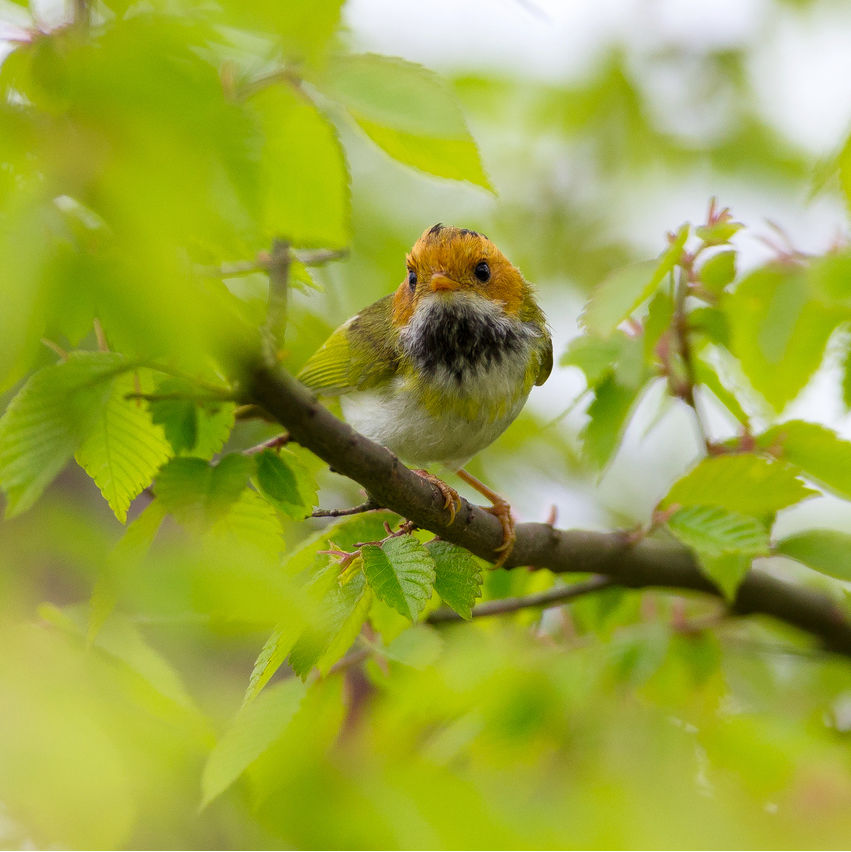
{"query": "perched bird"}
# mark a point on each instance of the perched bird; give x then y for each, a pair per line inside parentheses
(438, 369)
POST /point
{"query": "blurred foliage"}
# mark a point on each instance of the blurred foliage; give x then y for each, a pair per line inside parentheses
(220, 672)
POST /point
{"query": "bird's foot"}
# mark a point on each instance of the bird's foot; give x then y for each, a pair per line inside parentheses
(451, 500)
(502, 510)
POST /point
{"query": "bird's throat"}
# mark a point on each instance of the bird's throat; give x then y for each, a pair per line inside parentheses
(457, 337)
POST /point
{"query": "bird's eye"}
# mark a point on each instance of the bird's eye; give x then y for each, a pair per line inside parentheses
(412, 279)
(482, 271)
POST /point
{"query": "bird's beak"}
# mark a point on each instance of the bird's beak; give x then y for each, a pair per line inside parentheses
(440, 282)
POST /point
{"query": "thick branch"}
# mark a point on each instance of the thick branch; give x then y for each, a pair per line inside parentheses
(647, 563)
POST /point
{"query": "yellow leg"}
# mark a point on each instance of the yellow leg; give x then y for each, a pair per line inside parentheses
(501, 509)
(451, 500)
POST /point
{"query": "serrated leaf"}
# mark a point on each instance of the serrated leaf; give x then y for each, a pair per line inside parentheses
(251, 523)
(401, 572)
(123, 448)
(618, 295)
(726, 570)
(745, 483)
(255, 727)
(778, 331)
(272, 656)
(818, 451)
(286, 483)
(408, 111)
(713, 530)
(608, 413)
(825, 551)
(335, 622)
(47, 420)
(198, 429)
(457, 576)
(718, 271)
(196, 492)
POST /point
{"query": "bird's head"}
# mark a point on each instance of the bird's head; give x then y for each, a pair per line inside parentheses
(446, 263)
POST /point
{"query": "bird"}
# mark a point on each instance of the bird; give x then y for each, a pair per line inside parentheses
(436, 370)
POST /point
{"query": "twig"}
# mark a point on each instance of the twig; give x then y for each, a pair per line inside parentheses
(276, 307)
(369, 506)
(272, 444)
(262, 261)
(560, 595)
(200, 399)
(103, 346)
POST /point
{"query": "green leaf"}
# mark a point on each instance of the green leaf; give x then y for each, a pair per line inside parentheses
(254, 729)
(705, 375)
(778, 331)
(408, 111)
(48, 419)
(196, 492)
(617, 296)
(660, 315)
(191, 428)
(608, 413)
(458, 576)
(335, 622)
(286, 483)
(401, 572)
(825, 551)
(718, 271)
(713, 530)
(596, 357)
(272, 656)
(726, 570)
(744, 483)
(846, 376)
(123, 448)
(417, 647)
(719, 233)
(822, 455)
(304, 177)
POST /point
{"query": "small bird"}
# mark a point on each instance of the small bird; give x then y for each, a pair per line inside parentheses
(438, 369)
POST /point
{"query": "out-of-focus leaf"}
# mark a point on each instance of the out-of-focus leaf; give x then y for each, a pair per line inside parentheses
(719, 271)
(123, 448)
(409, 112)
(336, 621)
(825, 551)
(198, 492)
(286, 483)
(596, 357)
(192, 428)
(615, 298)
(726, 569)
(778, 331)
(820, 453)
(458, 576)
(744, 483)
(846, 377)
(401, 573)
(608, 415)
(712, 323)
(305, 180)
(124, 558)
(719, 233)
(417, 647)
(254, 728)
(830, 279)
(660, 313)
(304, 29)
(46, 421)
(706, 375)
(272, 656)
(713, 530)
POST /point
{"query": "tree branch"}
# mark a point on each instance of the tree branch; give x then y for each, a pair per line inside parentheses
(551, 597)
(646, 563)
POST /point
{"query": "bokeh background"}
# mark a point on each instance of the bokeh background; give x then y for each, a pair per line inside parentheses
(628, 720)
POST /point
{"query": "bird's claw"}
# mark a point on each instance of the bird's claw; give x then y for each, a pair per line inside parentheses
(451, 500)
(502, 511)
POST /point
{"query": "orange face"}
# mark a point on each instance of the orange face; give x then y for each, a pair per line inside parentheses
(446, 260)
